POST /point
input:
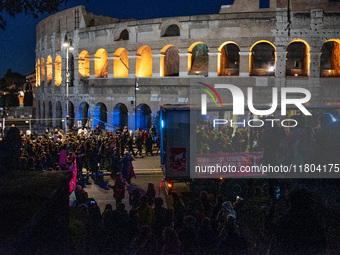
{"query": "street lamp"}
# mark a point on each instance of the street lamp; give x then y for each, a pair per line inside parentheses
(68, 45)
(136, 88)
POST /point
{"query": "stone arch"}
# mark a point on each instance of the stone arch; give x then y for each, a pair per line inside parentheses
(330, 58)
(84, 114)
(169, 61)
(71, 69)
(37, 70)
(121, 34)
(49, 70)
(121, 63)
(198, 60)
(100, 116)
(120, 115)
(143, 116)
(71, 114)
(297, 58)
(100, 64)
(262, 59)
(144, 62)
(43, 73)
(170, 27)
(84, 64)
(124, 35)
(59, 115)
(228, 59)
(57, 72)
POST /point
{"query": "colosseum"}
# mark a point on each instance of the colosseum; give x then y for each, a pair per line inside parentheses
(121, 71)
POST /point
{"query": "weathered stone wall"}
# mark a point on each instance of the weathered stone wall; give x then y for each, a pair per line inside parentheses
(276, 25)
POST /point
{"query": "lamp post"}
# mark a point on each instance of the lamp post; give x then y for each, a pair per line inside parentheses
(136, 88)
(68, 45)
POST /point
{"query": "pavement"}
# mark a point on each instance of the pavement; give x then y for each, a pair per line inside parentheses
(147, 170)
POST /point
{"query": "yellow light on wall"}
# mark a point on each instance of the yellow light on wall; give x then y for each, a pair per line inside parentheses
(100, 64)
(144, 62)
(49, 69)
(84, 64)
(121, 63)
(57, 73)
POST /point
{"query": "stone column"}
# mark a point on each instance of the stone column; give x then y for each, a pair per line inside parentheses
(110, 65)
(280, 68)
(183, 62)
(213, 62)
(132, 66)
(156, 65)
(244, 61)
(314, 70)
(92, 67)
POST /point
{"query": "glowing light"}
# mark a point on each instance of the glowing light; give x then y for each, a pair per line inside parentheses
(162, 123)
(271, 69)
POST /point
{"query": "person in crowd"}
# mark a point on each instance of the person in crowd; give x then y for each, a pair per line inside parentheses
(162, 218)
(119, 189)
(127, 168)
(171, 243)
(188, 236)
(151, 193)
(145, 212)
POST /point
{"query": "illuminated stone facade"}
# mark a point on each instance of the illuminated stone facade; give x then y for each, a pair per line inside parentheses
(295, 45)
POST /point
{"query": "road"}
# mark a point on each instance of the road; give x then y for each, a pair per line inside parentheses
(147, 170)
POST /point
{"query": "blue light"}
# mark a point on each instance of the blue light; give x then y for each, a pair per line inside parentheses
(162, 123)
(333, 119)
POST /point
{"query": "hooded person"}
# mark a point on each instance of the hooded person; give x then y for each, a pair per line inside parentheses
(226, 210)
(127, 168)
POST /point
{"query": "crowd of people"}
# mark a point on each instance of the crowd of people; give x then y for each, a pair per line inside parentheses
(95, 150)
(297, 145)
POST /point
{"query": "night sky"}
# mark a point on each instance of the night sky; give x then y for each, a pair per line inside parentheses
(17, 42)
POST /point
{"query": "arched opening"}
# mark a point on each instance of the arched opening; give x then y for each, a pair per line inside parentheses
(144, 117)
(100, 116)
(71, 114)
(169, 61)
(262, 59)
(172, 30)
(71, 69)
(100, 64)
(57, 71)
(121, 63)
(37, 70)
(124, 35)
(84, 64)
(59, 115)
(297, 59)
(330, 59)
(49, 70)
(84, 114)
(228, 59)
(198, 61)
(144, 62)
(50, 111)
(42, 78)
(120, 115)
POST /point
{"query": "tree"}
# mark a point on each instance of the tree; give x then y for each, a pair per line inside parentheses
(28, 7)
(11, 81)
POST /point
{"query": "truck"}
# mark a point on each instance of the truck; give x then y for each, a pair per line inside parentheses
(178, 138)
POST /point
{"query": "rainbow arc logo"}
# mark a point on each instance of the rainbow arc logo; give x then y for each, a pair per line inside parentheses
(204, 97)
